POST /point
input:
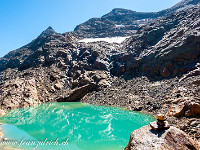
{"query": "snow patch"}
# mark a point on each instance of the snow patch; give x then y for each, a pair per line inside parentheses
(119, 26)
(108, 39)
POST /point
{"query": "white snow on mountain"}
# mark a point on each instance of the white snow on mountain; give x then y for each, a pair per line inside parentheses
(119, 26)
(107, 39)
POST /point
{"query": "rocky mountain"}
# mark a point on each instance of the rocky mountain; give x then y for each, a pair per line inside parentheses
(163, 48)
(123, 22)
(47, 32)
(156, 70)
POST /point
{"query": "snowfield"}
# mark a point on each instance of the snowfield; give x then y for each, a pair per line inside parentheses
(108, 39)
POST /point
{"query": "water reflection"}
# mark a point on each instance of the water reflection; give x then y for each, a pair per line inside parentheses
(83, 125)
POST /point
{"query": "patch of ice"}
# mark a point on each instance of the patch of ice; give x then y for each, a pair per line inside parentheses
(108, 39)
(119, 26)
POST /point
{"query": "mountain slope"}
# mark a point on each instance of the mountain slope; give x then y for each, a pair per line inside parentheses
(123, 22)
(17, 57)
(166, 47)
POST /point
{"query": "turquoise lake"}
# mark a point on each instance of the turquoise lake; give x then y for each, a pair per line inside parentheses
(71, 126)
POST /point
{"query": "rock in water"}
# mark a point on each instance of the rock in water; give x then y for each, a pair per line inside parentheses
(172, 139)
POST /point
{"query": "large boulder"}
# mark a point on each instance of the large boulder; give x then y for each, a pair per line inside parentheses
(188, 109)
(77, 93)
(172, 139)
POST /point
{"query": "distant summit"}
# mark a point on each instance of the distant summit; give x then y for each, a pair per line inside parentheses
(47, 32)
(124, 22)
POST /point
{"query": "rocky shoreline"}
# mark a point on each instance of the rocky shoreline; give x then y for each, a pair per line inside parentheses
(153, 98)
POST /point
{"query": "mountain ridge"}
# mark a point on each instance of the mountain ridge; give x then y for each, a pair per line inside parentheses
(130, 21)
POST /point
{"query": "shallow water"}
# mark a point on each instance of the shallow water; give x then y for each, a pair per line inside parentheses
(71, 126)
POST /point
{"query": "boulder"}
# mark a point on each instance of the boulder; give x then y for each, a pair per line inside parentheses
(78, 93)
(193, 109)
(188, 109)
(172, 139)
(58, 86)
(2, 112)
(177, 110)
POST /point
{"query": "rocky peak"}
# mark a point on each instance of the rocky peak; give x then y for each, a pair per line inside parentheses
(184, 4)
(47, 32)
(123, 22)
(119, 11)
(122, 16)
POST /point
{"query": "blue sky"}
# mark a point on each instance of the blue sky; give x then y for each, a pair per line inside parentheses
(23, 20)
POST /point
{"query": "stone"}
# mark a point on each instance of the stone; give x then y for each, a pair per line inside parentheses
(177, 110)
(194, 123)
(103, 83)
(187, 109)
(58, 86)
(160, 117)
(1, 135)
(157, 127)
(171, 139)
(85, 81)
(2, 112)
(197, 82)
(160, 124)
(75, 83)
(193, 109)
(77, 93)
(137, 108)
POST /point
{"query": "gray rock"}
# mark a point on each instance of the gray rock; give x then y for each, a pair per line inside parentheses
(172, 139)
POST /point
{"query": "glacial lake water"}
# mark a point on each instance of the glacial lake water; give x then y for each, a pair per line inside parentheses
(71, 126)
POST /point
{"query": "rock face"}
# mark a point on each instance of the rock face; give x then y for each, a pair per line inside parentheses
(123, 22)
(119, 22)
(164, 48)
(172, 139)
(54, 67)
